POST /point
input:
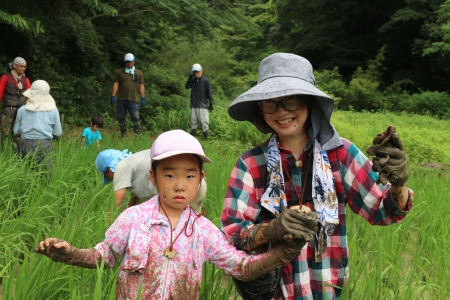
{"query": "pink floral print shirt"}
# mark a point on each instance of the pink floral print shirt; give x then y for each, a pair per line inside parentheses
(141, 234)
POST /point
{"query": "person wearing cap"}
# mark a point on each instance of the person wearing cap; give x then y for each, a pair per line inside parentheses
(130, 172)
(201, 100)
(37, 122)
(12, 86)
(305, 163)
(128, 85)
(162, 244)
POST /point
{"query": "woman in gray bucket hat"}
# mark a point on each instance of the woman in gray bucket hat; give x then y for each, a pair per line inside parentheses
(306, 165)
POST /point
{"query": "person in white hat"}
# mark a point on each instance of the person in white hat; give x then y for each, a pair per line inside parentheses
(128, 85)
(306, 163)
(12, 86)
(37, 122)
(201, 100)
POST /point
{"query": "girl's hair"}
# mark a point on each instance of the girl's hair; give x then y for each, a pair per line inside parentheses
(155, 164)
(97, 120)
(262, 124)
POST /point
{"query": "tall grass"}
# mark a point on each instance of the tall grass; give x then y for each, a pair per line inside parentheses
(409, 260)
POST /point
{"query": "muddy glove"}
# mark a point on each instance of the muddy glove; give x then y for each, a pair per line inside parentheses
(389, 158)
(291, 225)
(210, 108)
(113, 100)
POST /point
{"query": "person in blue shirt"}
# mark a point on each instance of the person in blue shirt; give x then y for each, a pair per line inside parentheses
(91, 134)
(37, 122)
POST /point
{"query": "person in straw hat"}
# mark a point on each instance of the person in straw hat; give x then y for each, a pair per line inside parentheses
(305, 163)
(12, 86)
(37, 122)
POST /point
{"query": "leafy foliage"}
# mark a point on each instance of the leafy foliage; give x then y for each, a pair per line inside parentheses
(80, 43)
(21, 24)
(371, 56)
(431, 103)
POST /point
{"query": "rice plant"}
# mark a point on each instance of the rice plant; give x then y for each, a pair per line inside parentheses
(409, 260)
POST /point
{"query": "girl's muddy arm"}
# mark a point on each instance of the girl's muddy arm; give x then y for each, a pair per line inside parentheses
(61, 251)
(257, 265)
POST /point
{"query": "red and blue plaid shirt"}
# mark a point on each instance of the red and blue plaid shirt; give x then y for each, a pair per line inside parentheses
(355, 183)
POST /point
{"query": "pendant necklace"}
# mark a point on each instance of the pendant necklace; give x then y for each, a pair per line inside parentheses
(298, 164)
(169, 252)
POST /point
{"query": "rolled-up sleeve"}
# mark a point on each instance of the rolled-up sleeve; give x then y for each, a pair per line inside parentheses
(364, 196)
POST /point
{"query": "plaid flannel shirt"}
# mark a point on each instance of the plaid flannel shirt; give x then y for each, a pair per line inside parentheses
(304, 278)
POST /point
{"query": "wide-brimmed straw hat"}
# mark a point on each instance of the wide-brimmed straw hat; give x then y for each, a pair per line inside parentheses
(39, 98)
(287, 74)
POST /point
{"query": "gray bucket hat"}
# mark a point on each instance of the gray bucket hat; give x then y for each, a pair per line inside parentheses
(286, 74)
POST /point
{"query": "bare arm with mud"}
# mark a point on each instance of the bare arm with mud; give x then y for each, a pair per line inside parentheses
(59, 250)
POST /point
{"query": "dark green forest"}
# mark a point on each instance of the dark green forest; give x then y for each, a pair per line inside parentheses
(369, 55)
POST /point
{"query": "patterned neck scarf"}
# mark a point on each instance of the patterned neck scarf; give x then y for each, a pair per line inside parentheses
(129, 71)
(323, 191)
(19, 80)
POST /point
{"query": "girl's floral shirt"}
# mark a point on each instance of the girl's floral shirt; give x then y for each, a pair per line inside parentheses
(141, 234)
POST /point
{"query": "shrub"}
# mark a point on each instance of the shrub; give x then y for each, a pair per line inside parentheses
(331, 83)
(431, 103)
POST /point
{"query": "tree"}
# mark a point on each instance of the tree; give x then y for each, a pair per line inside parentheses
(19, 23)
(422, 28)
(76, 44)
(348, 33)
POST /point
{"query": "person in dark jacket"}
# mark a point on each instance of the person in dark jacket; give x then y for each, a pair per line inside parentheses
(201, 100)
(12, 86)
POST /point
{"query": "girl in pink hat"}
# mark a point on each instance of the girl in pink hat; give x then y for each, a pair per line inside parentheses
(162, 243)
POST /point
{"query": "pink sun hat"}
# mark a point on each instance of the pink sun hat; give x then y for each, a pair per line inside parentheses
(176, 142)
